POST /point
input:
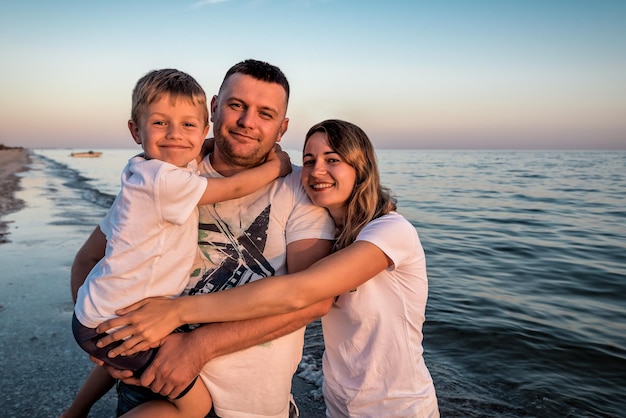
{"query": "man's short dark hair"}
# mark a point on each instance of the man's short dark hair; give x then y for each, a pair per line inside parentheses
(260, 70)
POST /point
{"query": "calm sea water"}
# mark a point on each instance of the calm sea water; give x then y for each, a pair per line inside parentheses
(526, 254)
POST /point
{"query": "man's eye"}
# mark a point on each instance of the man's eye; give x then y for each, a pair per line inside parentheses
(235, 105)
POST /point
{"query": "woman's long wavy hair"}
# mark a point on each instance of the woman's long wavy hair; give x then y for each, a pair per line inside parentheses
(369, 199)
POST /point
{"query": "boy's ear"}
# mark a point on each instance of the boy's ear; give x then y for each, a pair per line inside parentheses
(134, 131)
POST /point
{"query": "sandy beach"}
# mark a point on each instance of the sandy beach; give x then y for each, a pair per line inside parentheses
(42, 367)
(12, 161)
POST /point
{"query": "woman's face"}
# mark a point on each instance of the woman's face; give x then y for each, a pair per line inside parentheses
(327, 179)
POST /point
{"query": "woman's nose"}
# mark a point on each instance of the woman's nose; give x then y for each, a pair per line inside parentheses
(319, 168)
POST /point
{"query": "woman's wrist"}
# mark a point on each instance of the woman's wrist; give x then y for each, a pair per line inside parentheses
(183, 306)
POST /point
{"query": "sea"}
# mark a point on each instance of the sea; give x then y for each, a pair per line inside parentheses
(526, 258)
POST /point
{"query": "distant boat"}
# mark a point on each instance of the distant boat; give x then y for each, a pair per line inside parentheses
(87, 154)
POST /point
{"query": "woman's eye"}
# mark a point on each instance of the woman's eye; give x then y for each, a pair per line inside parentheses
(308, 162)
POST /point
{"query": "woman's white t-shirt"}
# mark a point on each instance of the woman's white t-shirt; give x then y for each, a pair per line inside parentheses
(373, 364)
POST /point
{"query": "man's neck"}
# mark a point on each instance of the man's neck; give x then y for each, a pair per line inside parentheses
(225, 168)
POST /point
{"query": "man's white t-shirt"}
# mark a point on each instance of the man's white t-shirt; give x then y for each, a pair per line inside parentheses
(373, 364)
(243, 240)
(151, 232)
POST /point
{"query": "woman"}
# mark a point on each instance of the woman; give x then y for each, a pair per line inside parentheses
(373, 364)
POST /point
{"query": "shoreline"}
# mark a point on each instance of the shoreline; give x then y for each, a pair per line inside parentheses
(12, 161)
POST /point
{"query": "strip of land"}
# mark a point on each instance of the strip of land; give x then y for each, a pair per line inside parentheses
(12, 161)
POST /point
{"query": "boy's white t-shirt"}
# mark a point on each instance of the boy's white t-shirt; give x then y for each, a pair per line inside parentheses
(244, 240)
(151, 232)
(373, 364)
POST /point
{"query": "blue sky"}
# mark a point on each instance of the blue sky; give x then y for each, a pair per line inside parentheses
(413, 74)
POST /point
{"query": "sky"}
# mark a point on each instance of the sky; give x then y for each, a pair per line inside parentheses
(467, 74)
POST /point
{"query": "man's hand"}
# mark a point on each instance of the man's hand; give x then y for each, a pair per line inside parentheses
(172, 370)
(174, 367)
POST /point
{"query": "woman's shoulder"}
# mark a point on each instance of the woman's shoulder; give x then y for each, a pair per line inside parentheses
(391, 218)
(392, 225)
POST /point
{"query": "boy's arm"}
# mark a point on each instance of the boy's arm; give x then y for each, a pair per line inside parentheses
(248, 181)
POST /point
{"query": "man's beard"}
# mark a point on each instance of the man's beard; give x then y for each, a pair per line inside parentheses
(252, 159)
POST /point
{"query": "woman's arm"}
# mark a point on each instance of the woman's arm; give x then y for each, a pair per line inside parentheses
(333, 275)
(182, 355)
(151, 319)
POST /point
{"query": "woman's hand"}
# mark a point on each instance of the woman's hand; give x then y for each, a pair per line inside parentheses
(143, 326)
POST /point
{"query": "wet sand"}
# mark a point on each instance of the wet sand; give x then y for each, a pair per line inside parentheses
(42, 367)
(12, 161)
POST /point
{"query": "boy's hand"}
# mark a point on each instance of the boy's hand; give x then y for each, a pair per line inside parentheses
(282, 158)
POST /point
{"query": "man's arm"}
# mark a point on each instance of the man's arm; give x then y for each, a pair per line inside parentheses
(86, 258)
(182, 355)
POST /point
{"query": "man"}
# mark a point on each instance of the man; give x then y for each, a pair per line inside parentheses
(249, 364)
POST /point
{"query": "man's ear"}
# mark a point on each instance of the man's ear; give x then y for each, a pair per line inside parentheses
(282, 129)
(134, 131)
(213, 108)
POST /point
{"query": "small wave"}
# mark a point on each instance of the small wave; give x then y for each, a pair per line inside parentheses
(75, 180)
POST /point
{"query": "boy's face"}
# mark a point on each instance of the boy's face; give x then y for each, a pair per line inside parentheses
(249, 118)
(171, 130)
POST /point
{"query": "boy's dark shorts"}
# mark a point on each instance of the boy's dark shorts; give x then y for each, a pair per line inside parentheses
(87, 338)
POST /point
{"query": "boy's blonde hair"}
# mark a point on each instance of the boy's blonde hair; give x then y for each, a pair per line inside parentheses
(175, 83)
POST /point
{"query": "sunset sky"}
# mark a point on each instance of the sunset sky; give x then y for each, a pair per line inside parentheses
(413, 74)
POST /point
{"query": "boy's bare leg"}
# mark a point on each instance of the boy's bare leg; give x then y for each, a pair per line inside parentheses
(97, 384)
(196, 403)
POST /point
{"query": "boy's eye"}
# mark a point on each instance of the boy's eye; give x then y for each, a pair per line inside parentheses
(158, 122)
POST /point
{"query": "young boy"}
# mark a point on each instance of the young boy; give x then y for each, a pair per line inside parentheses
(151, 229)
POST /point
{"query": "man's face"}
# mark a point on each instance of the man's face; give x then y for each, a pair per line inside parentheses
(248, 119)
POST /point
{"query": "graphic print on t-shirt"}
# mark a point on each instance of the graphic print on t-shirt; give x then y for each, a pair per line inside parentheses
(241, 256)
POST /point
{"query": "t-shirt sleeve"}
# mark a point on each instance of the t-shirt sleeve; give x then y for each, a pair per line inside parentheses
(394, 235)
(178, 192)
(105, 223)
(306, 221)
